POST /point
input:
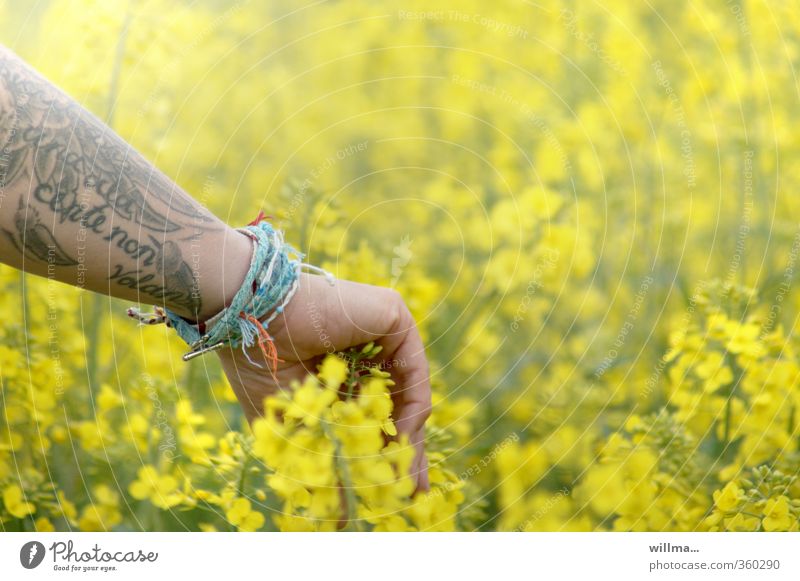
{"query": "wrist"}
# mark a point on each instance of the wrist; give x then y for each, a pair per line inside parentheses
(228, 260)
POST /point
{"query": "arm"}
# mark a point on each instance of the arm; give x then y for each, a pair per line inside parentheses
(78, 204)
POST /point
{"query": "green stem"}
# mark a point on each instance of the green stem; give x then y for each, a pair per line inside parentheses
(189, 380)
(152, 447)
(24, 298)
(155, 518)
(737, 378)
(97, 300)
(113, 88)
(243, 475)
(92, 333)
(727, 422)
(343, 472)
(351, 381)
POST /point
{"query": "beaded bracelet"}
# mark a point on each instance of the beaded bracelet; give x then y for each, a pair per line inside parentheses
(270, 283)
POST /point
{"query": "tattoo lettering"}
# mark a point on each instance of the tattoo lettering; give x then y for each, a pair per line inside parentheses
(62, 148)
(175, 282)
(84, 174)
(34, 239)
(131, 246)
(67, 208)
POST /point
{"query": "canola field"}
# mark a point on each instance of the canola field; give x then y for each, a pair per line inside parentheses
(590, 207)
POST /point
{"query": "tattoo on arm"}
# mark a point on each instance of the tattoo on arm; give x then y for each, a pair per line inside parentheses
(79, 172)
(65, 151)
(174, 282)
(35, 240)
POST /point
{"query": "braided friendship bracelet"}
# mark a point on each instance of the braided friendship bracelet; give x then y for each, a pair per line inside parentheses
(269, 285)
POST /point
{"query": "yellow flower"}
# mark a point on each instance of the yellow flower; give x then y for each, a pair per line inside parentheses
(270, 438)
(12, 442)
(714, 371)
(93, 434)
(290, 490)
(108, 398)
(15, 503)
(728, 498)
(243, 517)
(289, 522)
(333, 371)
(358, 434)
(103, 513)
(186, 415)
(603, 488)
(393, 523)
(43, 525)
(105, 495)
(376, 401)
(196, 444)
(65, 507)
(309, 402)
(432, 512)
(162, 491)
(10, 362)
(742, 337)
(325, 504)
(98, 518)
(742, 523)
(776, 515)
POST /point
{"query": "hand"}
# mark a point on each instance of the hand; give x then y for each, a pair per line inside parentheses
(323, 319)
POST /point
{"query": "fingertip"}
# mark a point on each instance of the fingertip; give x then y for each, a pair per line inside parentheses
(411, 417)
(423, 482)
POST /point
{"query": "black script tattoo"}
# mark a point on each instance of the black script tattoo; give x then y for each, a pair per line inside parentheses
(175, 282)
(71, 169)
(34, 239)
(131, 246)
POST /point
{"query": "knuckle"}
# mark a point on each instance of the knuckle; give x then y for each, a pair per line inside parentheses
(426, 410)
(396, 308)
(422, 414)
(394, 296)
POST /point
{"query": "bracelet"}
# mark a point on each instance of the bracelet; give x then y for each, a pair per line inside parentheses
(271, 282)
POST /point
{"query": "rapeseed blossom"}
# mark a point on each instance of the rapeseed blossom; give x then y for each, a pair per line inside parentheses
(596, 235)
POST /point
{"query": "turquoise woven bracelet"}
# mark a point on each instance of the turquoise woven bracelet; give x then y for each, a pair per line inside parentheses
(270, 283)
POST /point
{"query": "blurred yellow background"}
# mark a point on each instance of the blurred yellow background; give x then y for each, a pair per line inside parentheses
(590, 208)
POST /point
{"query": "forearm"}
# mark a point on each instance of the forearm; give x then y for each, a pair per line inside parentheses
(79, 205)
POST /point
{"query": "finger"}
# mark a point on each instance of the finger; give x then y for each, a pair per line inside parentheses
(420, 465)
(405, 356)
(413, 386)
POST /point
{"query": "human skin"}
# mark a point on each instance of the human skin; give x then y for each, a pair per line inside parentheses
(81, 206)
